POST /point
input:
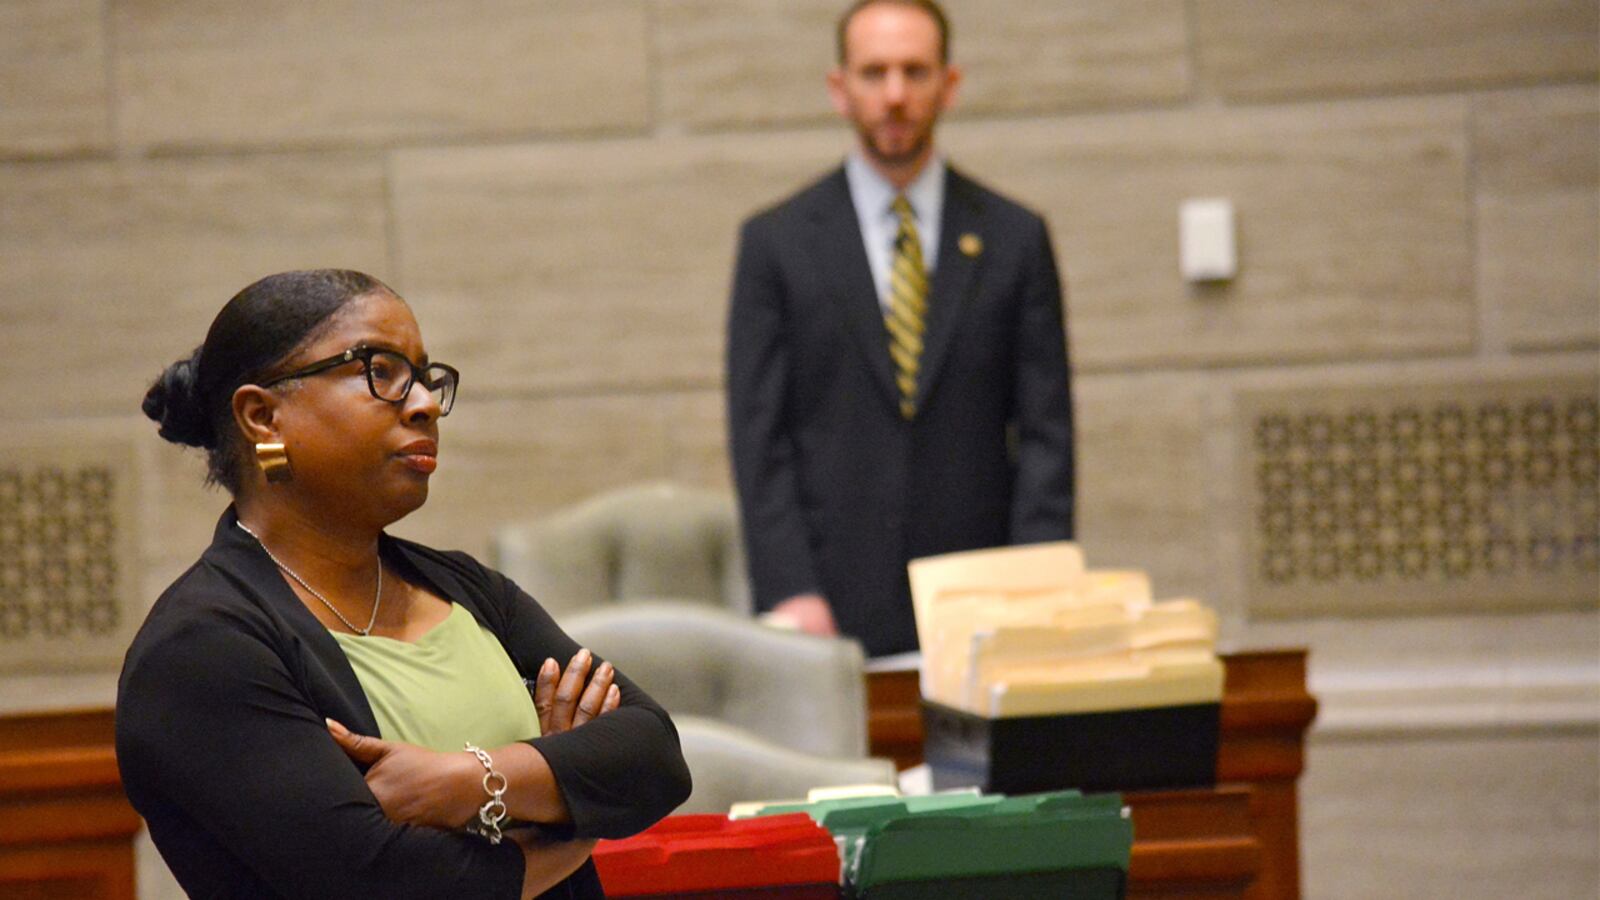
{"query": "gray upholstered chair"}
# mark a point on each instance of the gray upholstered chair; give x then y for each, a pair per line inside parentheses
(731, 765)
(652, 540)
(794, 690)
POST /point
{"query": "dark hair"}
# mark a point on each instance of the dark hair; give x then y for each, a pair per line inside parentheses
(933, 10)
(260, 327)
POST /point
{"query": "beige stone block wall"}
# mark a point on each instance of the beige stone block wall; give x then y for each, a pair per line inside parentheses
(1252, 49)
(1353, 229)
(114, 269)
(1538, 215)
(53, 78)
(1453, 756)
(285, 72)
(743, 63)
(184, 510)
(605, 264)
(734, 63)
(1143, 499)
(556, 186)
(1479, 813)
(503, 461)
(1033, 57)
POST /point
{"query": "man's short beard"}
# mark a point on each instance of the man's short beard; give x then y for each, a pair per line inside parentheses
(895, 159)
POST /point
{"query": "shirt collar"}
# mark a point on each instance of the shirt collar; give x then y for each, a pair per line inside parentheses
(873, 192)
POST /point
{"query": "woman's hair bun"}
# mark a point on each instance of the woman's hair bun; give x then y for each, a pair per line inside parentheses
(174, 401)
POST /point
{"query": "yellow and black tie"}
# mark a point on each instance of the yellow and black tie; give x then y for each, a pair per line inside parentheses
(908, 306)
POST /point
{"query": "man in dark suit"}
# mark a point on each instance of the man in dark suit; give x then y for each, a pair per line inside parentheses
(897, 372)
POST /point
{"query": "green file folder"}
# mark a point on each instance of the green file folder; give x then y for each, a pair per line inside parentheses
(966, 846)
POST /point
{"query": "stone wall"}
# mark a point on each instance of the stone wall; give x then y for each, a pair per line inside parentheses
(555, 185)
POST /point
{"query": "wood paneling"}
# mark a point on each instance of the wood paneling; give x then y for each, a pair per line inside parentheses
(66, 831)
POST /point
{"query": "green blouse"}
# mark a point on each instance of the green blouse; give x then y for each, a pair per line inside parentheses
(455, 684)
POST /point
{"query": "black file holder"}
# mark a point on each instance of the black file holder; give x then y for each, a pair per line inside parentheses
(1120, 750)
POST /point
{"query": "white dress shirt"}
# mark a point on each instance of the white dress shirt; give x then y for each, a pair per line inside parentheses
(873, 197)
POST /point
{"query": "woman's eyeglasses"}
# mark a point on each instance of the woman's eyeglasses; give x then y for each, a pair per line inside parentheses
(389, 375)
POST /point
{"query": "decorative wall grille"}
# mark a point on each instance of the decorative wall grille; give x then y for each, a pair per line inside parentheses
(1471, 496)
(66, 555)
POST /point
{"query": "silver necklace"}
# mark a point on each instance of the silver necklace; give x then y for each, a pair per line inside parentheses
(377, 598)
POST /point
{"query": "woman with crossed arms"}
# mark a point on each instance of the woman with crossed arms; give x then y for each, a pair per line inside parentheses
(317, 709)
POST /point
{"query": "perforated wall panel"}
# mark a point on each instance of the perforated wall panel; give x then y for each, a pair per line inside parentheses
(68, 559)
(1416, 499)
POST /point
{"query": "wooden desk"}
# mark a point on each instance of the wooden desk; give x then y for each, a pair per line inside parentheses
(1265, 713)
(1194, 844)
(66, 831)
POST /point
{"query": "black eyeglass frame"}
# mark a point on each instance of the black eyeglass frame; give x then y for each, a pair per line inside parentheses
(449, 376)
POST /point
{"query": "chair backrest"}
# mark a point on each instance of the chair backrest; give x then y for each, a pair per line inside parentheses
(651, 540)
(795, 690)
(729, 765)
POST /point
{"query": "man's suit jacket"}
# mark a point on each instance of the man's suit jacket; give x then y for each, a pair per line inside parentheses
(836, 489)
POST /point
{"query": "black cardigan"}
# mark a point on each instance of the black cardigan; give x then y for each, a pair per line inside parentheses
(223, 749)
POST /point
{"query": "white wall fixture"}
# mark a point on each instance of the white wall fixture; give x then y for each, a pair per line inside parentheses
(1206, 247)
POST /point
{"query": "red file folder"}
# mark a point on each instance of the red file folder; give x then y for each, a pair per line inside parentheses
(711, 856)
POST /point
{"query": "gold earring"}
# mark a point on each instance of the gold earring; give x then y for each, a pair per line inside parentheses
(274, 462)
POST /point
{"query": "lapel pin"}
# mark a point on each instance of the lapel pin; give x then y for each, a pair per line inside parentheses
(970, 244)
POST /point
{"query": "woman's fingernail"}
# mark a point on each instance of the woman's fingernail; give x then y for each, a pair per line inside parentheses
(336, 728)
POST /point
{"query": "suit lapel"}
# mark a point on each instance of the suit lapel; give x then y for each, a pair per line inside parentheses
(953, 280)
(841, 256)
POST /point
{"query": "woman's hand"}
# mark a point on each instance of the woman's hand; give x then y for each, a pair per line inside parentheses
(415, 785)
(568, 699)
(546, 862)
(418, 786)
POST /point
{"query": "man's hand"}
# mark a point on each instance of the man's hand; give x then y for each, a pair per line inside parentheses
(568, 699)
(808, 612)
(415, 785)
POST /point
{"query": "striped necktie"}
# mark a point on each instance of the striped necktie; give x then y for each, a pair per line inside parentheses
(908, 306)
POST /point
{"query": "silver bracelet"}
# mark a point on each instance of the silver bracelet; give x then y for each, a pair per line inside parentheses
(491, 814)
